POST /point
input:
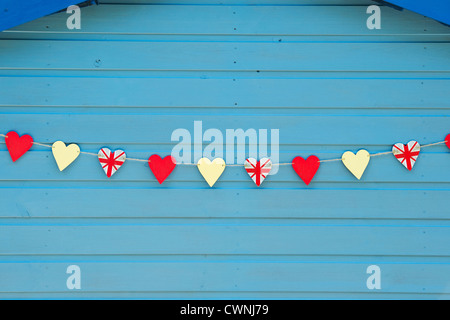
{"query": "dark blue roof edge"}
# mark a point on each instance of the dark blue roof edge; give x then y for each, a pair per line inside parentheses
(14, 13)
(438, 10)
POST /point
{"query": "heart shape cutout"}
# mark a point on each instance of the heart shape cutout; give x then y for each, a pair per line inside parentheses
(306, 169)
(17, 146)
(111, 161)
(258, 170)
(447, 141)
(161, 168)
(407, 154)
(64, 155)
(211, 170)
(356, 163)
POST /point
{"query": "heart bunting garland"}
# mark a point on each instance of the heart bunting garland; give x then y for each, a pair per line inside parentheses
(407, 154)
(161, 168)
(17, 146)
(65, 155)
(306, 169)
(258, 170)
(111, 161)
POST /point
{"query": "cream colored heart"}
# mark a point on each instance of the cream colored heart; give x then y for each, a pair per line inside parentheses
(65, 155)
(211, 170)
(356, 163)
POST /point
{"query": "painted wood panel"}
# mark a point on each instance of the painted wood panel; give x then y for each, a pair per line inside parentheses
(293, 201)
(270, 20)
(285, 278)
(222, 238)
(224, 56)
(310, 69)
(271, 92)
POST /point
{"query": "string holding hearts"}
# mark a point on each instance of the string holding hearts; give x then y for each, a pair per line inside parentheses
(64, 155)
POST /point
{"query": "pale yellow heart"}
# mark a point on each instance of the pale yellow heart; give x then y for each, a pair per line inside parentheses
(356, 163)
(211, 171)
(65, 155)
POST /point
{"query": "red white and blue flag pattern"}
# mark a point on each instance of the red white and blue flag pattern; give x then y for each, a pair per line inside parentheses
(111, 161)
(407, 154)
(258, 170)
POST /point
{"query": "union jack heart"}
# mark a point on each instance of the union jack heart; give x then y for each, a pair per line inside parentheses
(407, 154)
(111, 161)
(258, 170)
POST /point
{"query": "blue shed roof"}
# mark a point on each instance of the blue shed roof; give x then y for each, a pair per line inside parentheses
(14, 13)
(435, 9)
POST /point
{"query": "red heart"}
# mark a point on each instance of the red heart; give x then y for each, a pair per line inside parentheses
(161, 168)
(447, 141)
(306, 169)
(17, 146)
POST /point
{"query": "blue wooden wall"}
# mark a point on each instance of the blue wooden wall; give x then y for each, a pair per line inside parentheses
(138, 70)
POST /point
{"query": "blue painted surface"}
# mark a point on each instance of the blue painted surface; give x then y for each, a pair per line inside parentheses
(436, 9)
(312, 70)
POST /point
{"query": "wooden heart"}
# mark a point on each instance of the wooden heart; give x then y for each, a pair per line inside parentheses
(161, 168)
(306, 169)
(17, 146)
(258, 170)
(447, 141)
(211, 170)
(356, 164)
(64, 155)
(111, 161)
(407, 154)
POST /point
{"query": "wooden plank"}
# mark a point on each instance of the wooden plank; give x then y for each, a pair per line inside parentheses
(296, 129)
(107, 92)
(168, 201)
(239, 20)
(66, 238)
(93, 55)
(229, 295)
(236, 277)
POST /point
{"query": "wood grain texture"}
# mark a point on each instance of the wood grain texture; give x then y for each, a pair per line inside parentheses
(310, 69)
